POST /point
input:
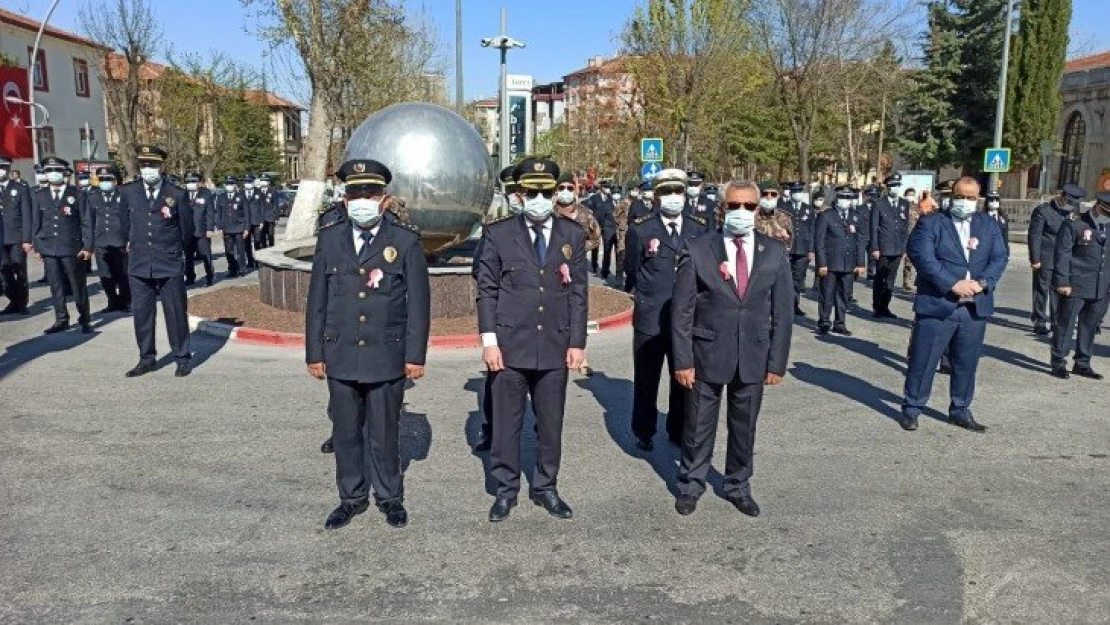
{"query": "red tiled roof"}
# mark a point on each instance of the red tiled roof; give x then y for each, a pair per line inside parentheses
(1091, 61)
(269, 99)
(487, 103)
(609, 66)
(32, 25)
(117, 69)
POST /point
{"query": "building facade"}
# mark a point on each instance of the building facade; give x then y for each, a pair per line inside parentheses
(1083, 133)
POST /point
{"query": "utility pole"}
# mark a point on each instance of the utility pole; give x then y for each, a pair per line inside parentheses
(503, 42)
(31, 82)
(458, 58)
(1000, 111)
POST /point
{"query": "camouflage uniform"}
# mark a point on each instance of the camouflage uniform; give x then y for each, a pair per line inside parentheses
(620, 213)
(908, 272)
(777, 225)
(585, 218)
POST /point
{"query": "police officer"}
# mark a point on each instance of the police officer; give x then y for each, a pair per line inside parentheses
(603, 207)
(15, 206)
(366, 332)
(654, 243)
(1044, 224)
(110, 225)
(993, 207)
(865, 207)
(532, 317)
(161, 226)
(254, 217)
(63, 236)
(84, 181)
(268, 199)
(1081, 277)
(698, 203)
(199, 200)
(840, 250)
(802, 218)
(232, 220)
(889, 231)
(642, 206)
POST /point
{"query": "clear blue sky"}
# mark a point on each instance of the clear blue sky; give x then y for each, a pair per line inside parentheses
(560, 36)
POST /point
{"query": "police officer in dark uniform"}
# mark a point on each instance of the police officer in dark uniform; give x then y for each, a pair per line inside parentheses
(231, 219)
(993, 206)
(642, 206)
(532, 317)
(161, 226)
(366, 332)
(15, 206)
(268, 197)
(84, 181)
(698, 203)
(1081, 277)
(803, 219)
(63, 236)
(199, 200)
(603, 207)
(1044, 223)
(889, 231)
(255, 208)
(654, 243)
(110, 226)
(870, 195)
(840, 249)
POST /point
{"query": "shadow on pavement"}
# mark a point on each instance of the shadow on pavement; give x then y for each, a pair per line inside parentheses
(416, 438)
(867, 349)
(880, 400)
(23, 352)
(473, 428)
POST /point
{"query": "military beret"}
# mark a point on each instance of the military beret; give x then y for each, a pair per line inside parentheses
(670, 178)
(53, 162)
(1074, 191)
(537, 174)
(192, 176)
(107, 172)
(893, 180)
(695, 178)
(767, 185)
(150, 153)
(364, 172)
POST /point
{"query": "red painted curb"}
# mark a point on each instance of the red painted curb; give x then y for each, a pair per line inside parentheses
(613, 322)
(455, 341)
(269, 337)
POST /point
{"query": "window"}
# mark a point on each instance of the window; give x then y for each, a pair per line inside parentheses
(1075, 140)
(42, 80)
(45, 136)
(81, 77)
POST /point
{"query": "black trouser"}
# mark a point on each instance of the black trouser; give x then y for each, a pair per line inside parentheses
(886, 270)
(487, 406)
(511, 388)
(648, 352)
(268, 228)
(14, 265)
(198, 248)
(258, 237)
(111, 266)
(1044, 295)
(619, 269)
(63, 272)
(835, 289)
(235, 253)
(249, 243)
(700, 434)
(365, 432)
(145, 293)
(608, 244)
(799, 265)
(1088, 313)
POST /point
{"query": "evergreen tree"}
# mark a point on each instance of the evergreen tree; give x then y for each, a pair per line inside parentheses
(980, 26)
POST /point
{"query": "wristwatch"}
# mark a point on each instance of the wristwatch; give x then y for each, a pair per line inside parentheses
(982, 285)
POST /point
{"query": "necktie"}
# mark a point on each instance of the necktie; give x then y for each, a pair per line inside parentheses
(57, 196)
(364, 253)
(741, 267)
(540, 243)
(193, 197)
(674, 234)
(150, 194)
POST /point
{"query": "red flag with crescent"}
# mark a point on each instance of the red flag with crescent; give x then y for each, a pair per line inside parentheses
(15, 136)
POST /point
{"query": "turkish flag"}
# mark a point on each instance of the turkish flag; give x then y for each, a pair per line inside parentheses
(15, 136)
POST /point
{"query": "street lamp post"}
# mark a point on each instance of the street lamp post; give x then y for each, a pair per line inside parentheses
(1000, 111)
(31, 82)
(504, 43)
(458, 58)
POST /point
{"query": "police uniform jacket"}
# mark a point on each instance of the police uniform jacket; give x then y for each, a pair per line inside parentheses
(1082, 257)
(62, 228)
(803, 217)
(604, 209)
(839, 244)
(110, 218)
(637, 209)
(367, 332)
(703, 207)
(158, 229)
(650, 264)
(890, 223)
(1004, 227)
(535, 312)
(15, 204)
(204, 209)
(256, 206)
(1044, 223)
(231, 212)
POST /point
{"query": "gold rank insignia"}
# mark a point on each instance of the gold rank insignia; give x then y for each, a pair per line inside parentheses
(170, 202)
(390, 254)
(567, 251)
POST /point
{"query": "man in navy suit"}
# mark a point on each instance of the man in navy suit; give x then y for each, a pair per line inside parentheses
(960, 257)
(731, 323)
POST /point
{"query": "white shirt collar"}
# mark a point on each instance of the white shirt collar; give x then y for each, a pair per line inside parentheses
(667, 221)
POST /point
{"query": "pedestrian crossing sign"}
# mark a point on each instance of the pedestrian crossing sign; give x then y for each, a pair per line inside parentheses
(651, 150)
(996, 161)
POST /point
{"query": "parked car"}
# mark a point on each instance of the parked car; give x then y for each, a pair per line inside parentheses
(285, 201)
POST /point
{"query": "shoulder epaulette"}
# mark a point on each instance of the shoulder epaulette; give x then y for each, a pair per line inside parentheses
(1074, 216)
(697, 219)
(339, 220)
(573, 221)
(407, 226)
(640, 220)
(501, 219)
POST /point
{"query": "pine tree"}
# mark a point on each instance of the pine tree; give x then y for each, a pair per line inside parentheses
(980, 25)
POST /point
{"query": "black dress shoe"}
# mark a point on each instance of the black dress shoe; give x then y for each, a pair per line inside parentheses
(182, 370)
(140, 369)
(190, 281)
(1060, 372)
(395, 513)
(798, 312)
(908, 424)
(645, 443)
(555, 506)
(327, 447)
(841, 330)
(745, 504)
(12, 309)
(485, 443)
(944, 369)
(1040, 330)
(685, 505)
(86, 328)
(56, 328)
(822, 330)
(208, 281)
(969, 424)
(344, 513)
(501, 508)
(1086, 372)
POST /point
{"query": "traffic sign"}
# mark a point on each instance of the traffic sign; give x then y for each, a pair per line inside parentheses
(651, 150)
(996, 160)
(650, 170)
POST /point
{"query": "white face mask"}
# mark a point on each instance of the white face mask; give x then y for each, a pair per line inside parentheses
(263, 185)
(711, 196)
(693, 191)
(40, 178)
(739, 222)
(151, 175)
(671, 205)
(364, 212)
(911, 198)
(84, 183)
(768, 204)
(892, 192)
(797, 197)
(55, 177)
(229, 188)
(565, 198)
(249, 186)
(649, 195)
(820, 203)
(843, 204)
(963, 209)
(538, 208)
(616, 196)
(191, 186)
(107, 185)
(992, 206)
(516, 207)
(3, 174)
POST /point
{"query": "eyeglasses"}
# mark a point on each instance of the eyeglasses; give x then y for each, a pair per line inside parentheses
(669, 191)
(965, 197)
(532, 193)
(751, 206)
(565, 187)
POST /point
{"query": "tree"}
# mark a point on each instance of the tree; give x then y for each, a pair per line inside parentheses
(980, 25)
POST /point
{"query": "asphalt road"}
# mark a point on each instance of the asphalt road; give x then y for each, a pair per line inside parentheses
(203, 499)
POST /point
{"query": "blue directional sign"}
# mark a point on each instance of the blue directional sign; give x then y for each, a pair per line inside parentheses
(651, 150)
(996, 160)
(650, 170)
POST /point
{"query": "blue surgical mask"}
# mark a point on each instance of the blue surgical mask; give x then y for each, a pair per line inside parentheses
(739, 222)
(364, 212)
(963, 209)
(55, 177)
(107, 185)
(150, 175)
(671, 205)
(538, 208)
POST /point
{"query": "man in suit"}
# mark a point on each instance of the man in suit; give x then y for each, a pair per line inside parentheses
(959, 259)
(232, 220)
(802, 217)
(366, 332)
(839, 242)
(889, 231)
(199, 200)
(268, 198)
(532, 318)
(1044, 223)
(15, 206)
(110, 225)
(654, 243)
(731, 329)
(160, 228)
(63, 236)
(1081, 277)
(604, 210)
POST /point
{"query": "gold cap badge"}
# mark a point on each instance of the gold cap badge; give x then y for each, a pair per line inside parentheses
(390, 254)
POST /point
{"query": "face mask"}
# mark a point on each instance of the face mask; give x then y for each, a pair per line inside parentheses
(516, 207)
(712, 196)
(992, 206)
(945, 203)
(892, 192)
(739, 222)
(150, 175)
(693, 191)
(843, 204)
(649, 195)
(962, 209)
(249, 186)
(565, 198)
(616, 196)
(671, 205)
(107, 185)
(911, 198)
(537, 208)
(364, 212)
(229, 188)
(796, 197)
(819, 203)
(635, 195)
(263, 185)
(768, 204)
(55, 177)
(3, 174)
(83, 183)
(191, 186)
(40, 178)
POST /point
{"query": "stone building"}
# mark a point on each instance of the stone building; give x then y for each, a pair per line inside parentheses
(1083, 134)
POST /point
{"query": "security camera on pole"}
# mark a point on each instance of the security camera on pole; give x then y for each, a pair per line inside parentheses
(503, 42)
